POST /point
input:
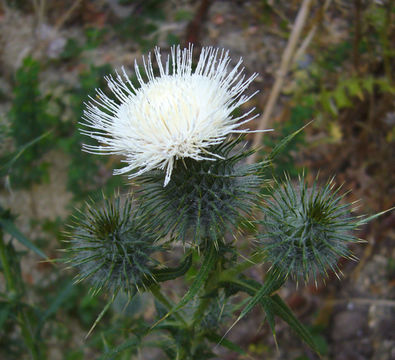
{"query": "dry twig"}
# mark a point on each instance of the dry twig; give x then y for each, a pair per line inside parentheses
(284, 66)
(306, 42)
(67, 14)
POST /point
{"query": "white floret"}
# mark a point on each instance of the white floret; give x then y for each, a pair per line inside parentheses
(178, 114)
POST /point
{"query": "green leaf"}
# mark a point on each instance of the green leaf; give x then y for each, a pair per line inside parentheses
(9, 227)
(272, 283)
(268, 308)
(276, 306)
(215, 338)
(341, 98)
(282, 310)
(368, 84)
(328, 104)
(208, 264)
(173, 273)
(354, 87)
(100, 316)
(385, 86)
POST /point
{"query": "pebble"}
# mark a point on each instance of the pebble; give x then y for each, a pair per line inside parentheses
(348, 325)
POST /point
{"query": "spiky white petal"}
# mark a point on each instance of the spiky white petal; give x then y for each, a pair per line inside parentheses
(179, 113)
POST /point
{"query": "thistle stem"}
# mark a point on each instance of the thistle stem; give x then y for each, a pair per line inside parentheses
(204, 302)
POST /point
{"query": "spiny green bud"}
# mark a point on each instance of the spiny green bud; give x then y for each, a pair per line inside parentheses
(111, 246)
(306, 229)
(203, 198)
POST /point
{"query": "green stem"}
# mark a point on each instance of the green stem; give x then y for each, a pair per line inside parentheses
(210, 284)
(23, 320)
(155, 290)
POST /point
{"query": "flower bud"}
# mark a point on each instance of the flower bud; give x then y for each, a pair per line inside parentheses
(204, 198)
(306, 229)
(111, 246)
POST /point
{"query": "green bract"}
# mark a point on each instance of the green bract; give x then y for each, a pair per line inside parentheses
(306, 229)
(203, 198)
(112, 247)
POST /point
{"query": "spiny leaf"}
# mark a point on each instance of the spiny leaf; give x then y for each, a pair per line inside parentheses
(269, 312)
(274, 305)
(173, 273)
(100, 316)
(365, 220)
(215, 338)
(272, 283)
(282, 310)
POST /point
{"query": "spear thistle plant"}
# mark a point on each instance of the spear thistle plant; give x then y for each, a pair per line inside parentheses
(174, 133)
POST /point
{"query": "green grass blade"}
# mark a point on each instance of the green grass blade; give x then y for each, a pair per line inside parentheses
(63, 296)
(10, 228)
(17, 154)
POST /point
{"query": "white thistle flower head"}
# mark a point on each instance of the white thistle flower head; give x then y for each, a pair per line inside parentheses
(177, 114)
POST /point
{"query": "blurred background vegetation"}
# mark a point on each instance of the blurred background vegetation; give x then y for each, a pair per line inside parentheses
(340, 73)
